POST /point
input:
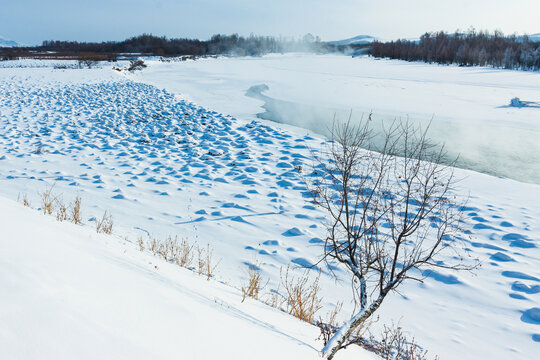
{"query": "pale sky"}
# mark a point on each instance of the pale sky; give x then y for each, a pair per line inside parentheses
(32, 21)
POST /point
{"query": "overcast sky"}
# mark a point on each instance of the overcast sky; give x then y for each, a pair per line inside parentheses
(31, 21)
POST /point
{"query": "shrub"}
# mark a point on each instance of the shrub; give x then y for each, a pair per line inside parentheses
(136, 65)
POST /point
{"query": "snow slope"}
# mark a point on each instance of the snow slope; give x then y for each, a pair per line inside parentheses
(163, 166)
(68, 293)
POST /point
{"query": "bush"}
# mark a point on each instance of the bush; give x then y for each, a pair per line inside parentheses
(136, 65)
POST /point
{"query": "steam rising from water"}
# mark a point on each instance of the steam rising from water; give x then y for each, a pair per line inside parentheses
(497, 150)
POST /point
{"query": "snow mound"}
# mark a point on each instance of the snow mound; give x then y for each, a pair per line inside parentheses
(517, 102)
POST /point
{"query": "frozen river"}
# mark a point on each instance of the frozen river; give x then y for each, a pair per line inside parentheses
(468, 107)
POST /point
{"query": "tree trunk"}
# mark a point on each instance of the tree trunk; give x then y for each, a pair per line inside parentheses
(345, 331)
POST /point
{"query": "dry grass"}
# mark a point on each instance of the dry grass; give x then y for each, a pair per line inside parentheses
(303, 295)
(23, 199)
(182, 253)
(185, 257)
(75, 211)
(394, 345)
(275, 299)
(61, 210)
(140, 241)
(153, 245)
(329, 325)
(171, 250)
(205, 262)
(254, 283)
(47, 201)
(52, 203)
(105, 224)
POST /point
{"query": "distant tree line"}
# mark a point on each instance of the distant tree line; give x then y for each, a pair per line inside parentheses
(161, 46)
(466, 49)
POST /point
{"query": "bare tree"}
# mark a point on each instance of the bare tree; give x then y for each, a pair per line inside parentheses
(390, 217)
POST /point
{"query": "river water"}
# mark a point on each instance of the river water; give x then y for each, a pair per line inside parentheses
(495, 150)
(468, 107)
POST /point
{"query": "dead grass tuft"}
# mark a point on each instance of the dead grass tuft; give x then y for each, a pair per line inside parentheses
(303, 299)
(394, 345)
(75, 215)
(47, 201)
(275, 299)
(140, 241)
(329, 325)
(254, 283)
(185, 258)
(105, 224)
(171, 250)
(205, 262)
(24, 199)
(61, 210)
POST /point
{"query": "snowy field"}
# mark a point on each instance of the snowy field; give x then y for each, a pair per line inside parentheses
(163, 166)
(68, 293)
(469, 106)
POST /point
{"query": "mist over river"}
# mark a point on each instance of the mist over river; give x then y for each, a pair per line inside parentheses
(468, 107)
(495, 150)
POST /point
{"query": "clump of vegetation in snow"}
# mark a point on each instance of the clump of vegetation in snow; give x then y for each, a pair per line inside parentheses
(303, 295)
(105, 224)
(254, 284)
(135, 65)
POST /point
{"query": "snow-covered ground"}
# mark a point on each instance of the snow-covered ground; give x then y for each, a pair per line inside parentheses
(69, 293)
(164, 166)
(469, 106)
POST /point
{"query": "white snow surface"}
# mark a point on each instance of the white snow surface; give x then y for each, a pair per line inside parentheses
(468, 107)
(69, 293)
(163, 166)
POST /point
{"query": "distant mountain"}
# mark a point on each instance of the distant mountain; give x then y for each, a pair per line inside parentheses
(357, 40)
(7, 43)
(535, 37)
